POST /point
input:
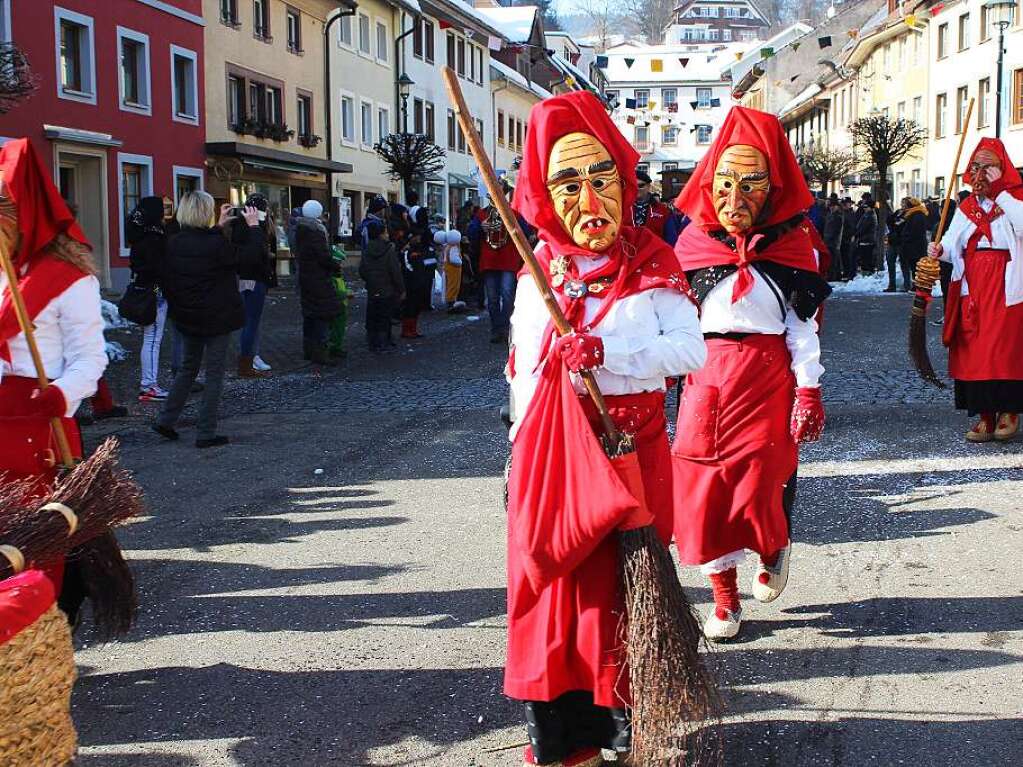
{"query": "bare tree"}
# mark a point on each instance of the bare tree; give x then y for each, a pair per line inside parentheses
(410, 157)
(649, 18)
(549, 14)
(825, 166)
(604, 17)
(16, 79)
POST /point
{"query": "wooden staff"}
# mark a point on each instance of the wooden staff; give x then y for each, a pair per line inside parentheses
(17, 300)
(511, 223)
(954, 178)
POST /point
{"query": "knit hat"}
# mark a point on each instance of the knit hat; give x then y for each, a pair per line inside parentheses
(312, 209)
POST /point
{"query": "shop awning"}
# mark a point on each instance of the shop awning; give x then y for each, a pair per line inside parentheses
(457, 179)
(276, 159)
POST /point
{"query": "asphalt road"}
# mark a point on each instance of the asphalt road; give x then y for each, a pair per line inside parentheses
(328, 590)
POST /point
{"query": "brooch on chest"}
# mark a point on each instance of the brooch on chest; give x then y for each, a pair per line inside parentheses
(559, 268)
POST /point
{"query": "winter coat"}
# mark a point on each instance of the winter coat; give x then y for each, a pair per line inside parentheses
(147, 254)
(381, 270)
(199, 278)
(913, 236)
(316, 271)
(895, 223)
(866, 226)
(834, 225)
(849, 220)
(265, 270)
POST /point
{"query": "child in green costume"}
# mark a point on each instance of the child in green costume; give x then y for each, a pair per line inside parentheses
(339, 326)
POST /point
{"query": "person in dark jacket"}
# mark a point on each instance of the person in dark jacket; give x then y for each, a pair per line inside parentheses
(200, 281)
(147, 240)
(912, 238)
(848, 239)
(674, 226)
(865, 235)
(380, 269)
(893, 250)
(834, 225)
(420, 264)
(316, 271)
(254, 282)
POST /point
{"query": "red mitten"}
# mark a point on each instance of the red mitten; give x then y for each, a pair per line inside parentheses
(47, 403)
(580, 351)
(807, 415)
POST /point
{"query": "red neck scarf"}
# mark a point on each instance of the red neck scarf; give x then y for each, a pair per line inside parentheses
(42, 215)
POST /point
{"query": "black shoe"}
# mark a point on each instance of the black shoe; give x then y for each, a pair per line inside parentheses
(212, 441)
(165, 431)
(118, 411)
(889, 290)
(196, 388)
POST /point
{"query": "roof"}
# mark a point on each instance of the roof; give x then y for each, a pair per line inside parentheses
(682, 6)
(440, 8)
(569, 69)
(678, 63)
(515, 23)
(507, 73)
(753, 55)
(802, 97)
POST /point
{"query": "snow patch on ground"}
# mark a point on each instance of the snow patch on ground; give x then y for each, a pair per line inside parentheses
(116, 352)
(112, 319)
(872, 283)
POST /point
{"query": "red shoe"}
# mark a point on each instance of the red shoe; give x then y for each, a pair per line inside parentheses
(726, 619)
(983, 430)
(1008, 425)
(590, 757)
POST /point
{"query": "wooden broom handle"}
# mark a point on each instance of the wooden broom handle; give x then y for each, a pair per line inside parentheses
(17, 300)
(952, 179)
(511, 223)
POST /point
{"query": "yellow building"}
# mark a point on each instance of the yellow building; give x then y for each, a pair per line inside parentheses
(266, 111)
(514, 97)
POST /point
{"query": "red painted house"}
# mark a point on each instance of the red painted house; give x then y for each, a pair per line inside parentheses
(118, 111)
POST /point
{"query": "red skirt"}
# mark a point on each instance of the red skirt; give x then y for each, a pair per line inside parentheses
(733, 452)
(566, 637)
(982, 334)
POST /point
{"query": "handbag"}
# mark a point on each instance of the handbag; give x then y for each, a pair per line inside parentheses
(138, 304)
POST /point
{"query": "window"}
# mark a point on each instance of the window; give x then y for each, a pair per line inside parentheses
(939, 186)
(261, 19)
(961, 99)
(612, 97)
(461, 137)
(428, 40)
(478, 123)
(669, 166)
(472, 63)
(229, 12)
(642, 138)
(186, 180)
(76, 56)
(417, 115)
(294, 19)
(135, 79)
(917, 189)
(304, 115)
(940, 102)
(518, 134)
(902, 53)
(461, 56)
(702, 98)
(669, 98)
(983, 97)
(669, 135)
(479, 65)
(726, 36)
(703, 134)
(918, 110)
(964, 31)
(942, 41)
(344, 32)
(500, 127)
(6, 35)
(383, 40)
(900, 110)
(135, 181)
(364, 42)
(235, 100)
(712, 34)
(185, 85)
(274, 109)
(916, 46)
(1017, 96)
(428, 122)
(642, 96)
(347, 119)
(643, 166)
(985, 23)
(383, 122)
(366, 113)
(451, 129)
(886, 58)
(417, 40)
(451, 49)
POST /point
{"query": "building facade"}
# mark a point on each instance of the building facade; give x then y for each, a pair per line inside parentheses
(716, 21)
(266, 107)
(514, 97)
(119, 110)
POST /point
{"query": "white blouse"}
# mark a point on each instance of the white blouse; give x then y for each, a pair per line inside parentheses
(647, 337)
(69, 333)
(1007, 231)
(761, 311)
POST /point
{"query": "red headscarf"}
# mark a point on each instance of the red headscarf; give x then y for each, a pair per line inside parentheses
(789, 196)
(1009, 181)
(1010, 176)
(42, 215)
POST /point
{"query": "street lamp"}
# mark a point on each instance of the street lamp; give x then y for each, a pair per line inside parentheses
(1000, 12)
(405, 84)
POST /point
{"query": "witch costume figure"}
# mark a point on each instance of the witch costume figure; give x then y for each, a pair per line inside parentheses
(984, 307)
(634, 325)
(751, 263)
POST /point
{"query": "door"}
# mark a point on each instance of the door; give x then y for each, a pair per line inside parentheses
(80, 178)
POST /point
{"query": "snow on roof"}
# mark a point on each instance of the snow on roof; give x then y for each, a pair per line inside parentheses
(701, 65)
(515, 23)
(512, 75)
(753, 56)
(474, 13)
(803, 96)
(572, 70)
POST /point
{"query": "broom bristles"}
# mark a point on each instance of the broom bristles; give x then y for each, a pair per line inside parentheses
(675, 702)
(928, 271)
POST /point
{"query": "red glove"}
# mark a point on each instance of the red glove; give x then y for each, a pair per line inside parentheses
(47, 403)
(807, 415)
(580, 351)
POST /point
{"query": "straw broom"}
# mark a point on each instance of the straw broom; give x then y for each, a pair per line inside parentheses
(928, 271)
(672, 693)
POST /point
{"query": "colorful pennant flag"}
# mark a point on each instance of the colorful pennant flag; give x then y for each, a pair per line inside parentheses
(911, 20)
(629, 63)
(793, 78)
(936, 9)
(853, 33)
(694, 104)
(824, 42)
(795, 45)
(715, 102)
(631, 120)
(673, 107)
(602, 62)
(630, 103)
(570, 81)
(656, 65)
(494, 43)
(684, 62)
(738, 55)
(444, 24)
(651, 105)
(766, 52)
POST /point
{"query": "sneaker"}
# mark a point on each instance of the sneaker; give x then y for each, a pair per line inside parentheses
(212, 441)
(260, 364)
(153, 394)
(769, 582)
(722, 624)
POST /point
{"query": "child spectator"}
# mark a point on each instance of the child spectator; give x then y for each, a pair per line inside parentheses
(381, 271)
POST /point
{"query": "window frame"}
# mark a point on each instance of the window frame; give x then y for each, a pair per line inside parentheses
(6, 22)
(430, 121)
(378, 25)
(344, 23)
(417, 115)
(450, 55)
(710, 134)
(303, 95)
(363, 104)
(942, 42)
(146, 77)
(983, 97)
(429, 41)
(291, 12)
(452, 130)
(232, 19)
(1016, 115)
(184, 171)
(500, 127)
(366, 52)
(665, 102)
(635, 95)
(963, 32)
(177, 51)
(262, 33)
(962, 102)
(88, 95)
(674, 130)
(352, 141)
(460, 45)
(126, 158)
(700, 102)
(642, 145)
(940, 119)
(385, 111)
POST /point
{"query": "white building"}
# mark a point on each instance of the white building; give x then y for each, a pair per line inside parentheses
(669, 100)
(716, 21)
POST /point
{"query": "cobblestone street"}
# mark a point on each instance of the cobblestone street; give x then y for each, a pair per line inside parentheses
(329, 589)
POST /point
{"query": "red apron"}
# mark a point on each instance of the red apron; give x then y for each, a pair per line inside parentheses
(982, 334)
(566, 637)
(28, 447)
(733, 452)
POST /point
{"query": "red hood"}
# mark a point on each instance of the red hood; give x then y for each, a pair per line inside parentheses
(1010, 175)
(789, 194)
(550, 120)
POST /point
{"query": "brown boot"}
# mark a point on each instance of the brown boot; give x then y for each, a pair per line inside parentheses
(1008, 425)
(245, 369)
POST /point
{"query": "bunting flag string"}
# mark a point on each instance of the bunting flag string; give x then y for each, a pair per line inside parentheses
(602, 62)
(629, 63)
(494, 43)
(630, 103)
(824, 41)
(673, 107)
(694, 104)
(911, 20)
(684, 62)
(766, 53)
(631, 120)
(853, 33)
(656, 65)
(444, 24)
(651, 105)
(738, 55)
(715, 102)
(936, 9)
(795, 45)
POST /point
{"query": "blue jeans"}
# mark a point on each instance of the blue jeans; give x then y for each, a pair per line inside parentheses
(254, 300)
(500, 288)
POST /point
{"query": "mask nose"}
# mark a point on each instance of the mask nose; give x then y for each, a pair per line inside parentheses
(588, 200)
(734, 197)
